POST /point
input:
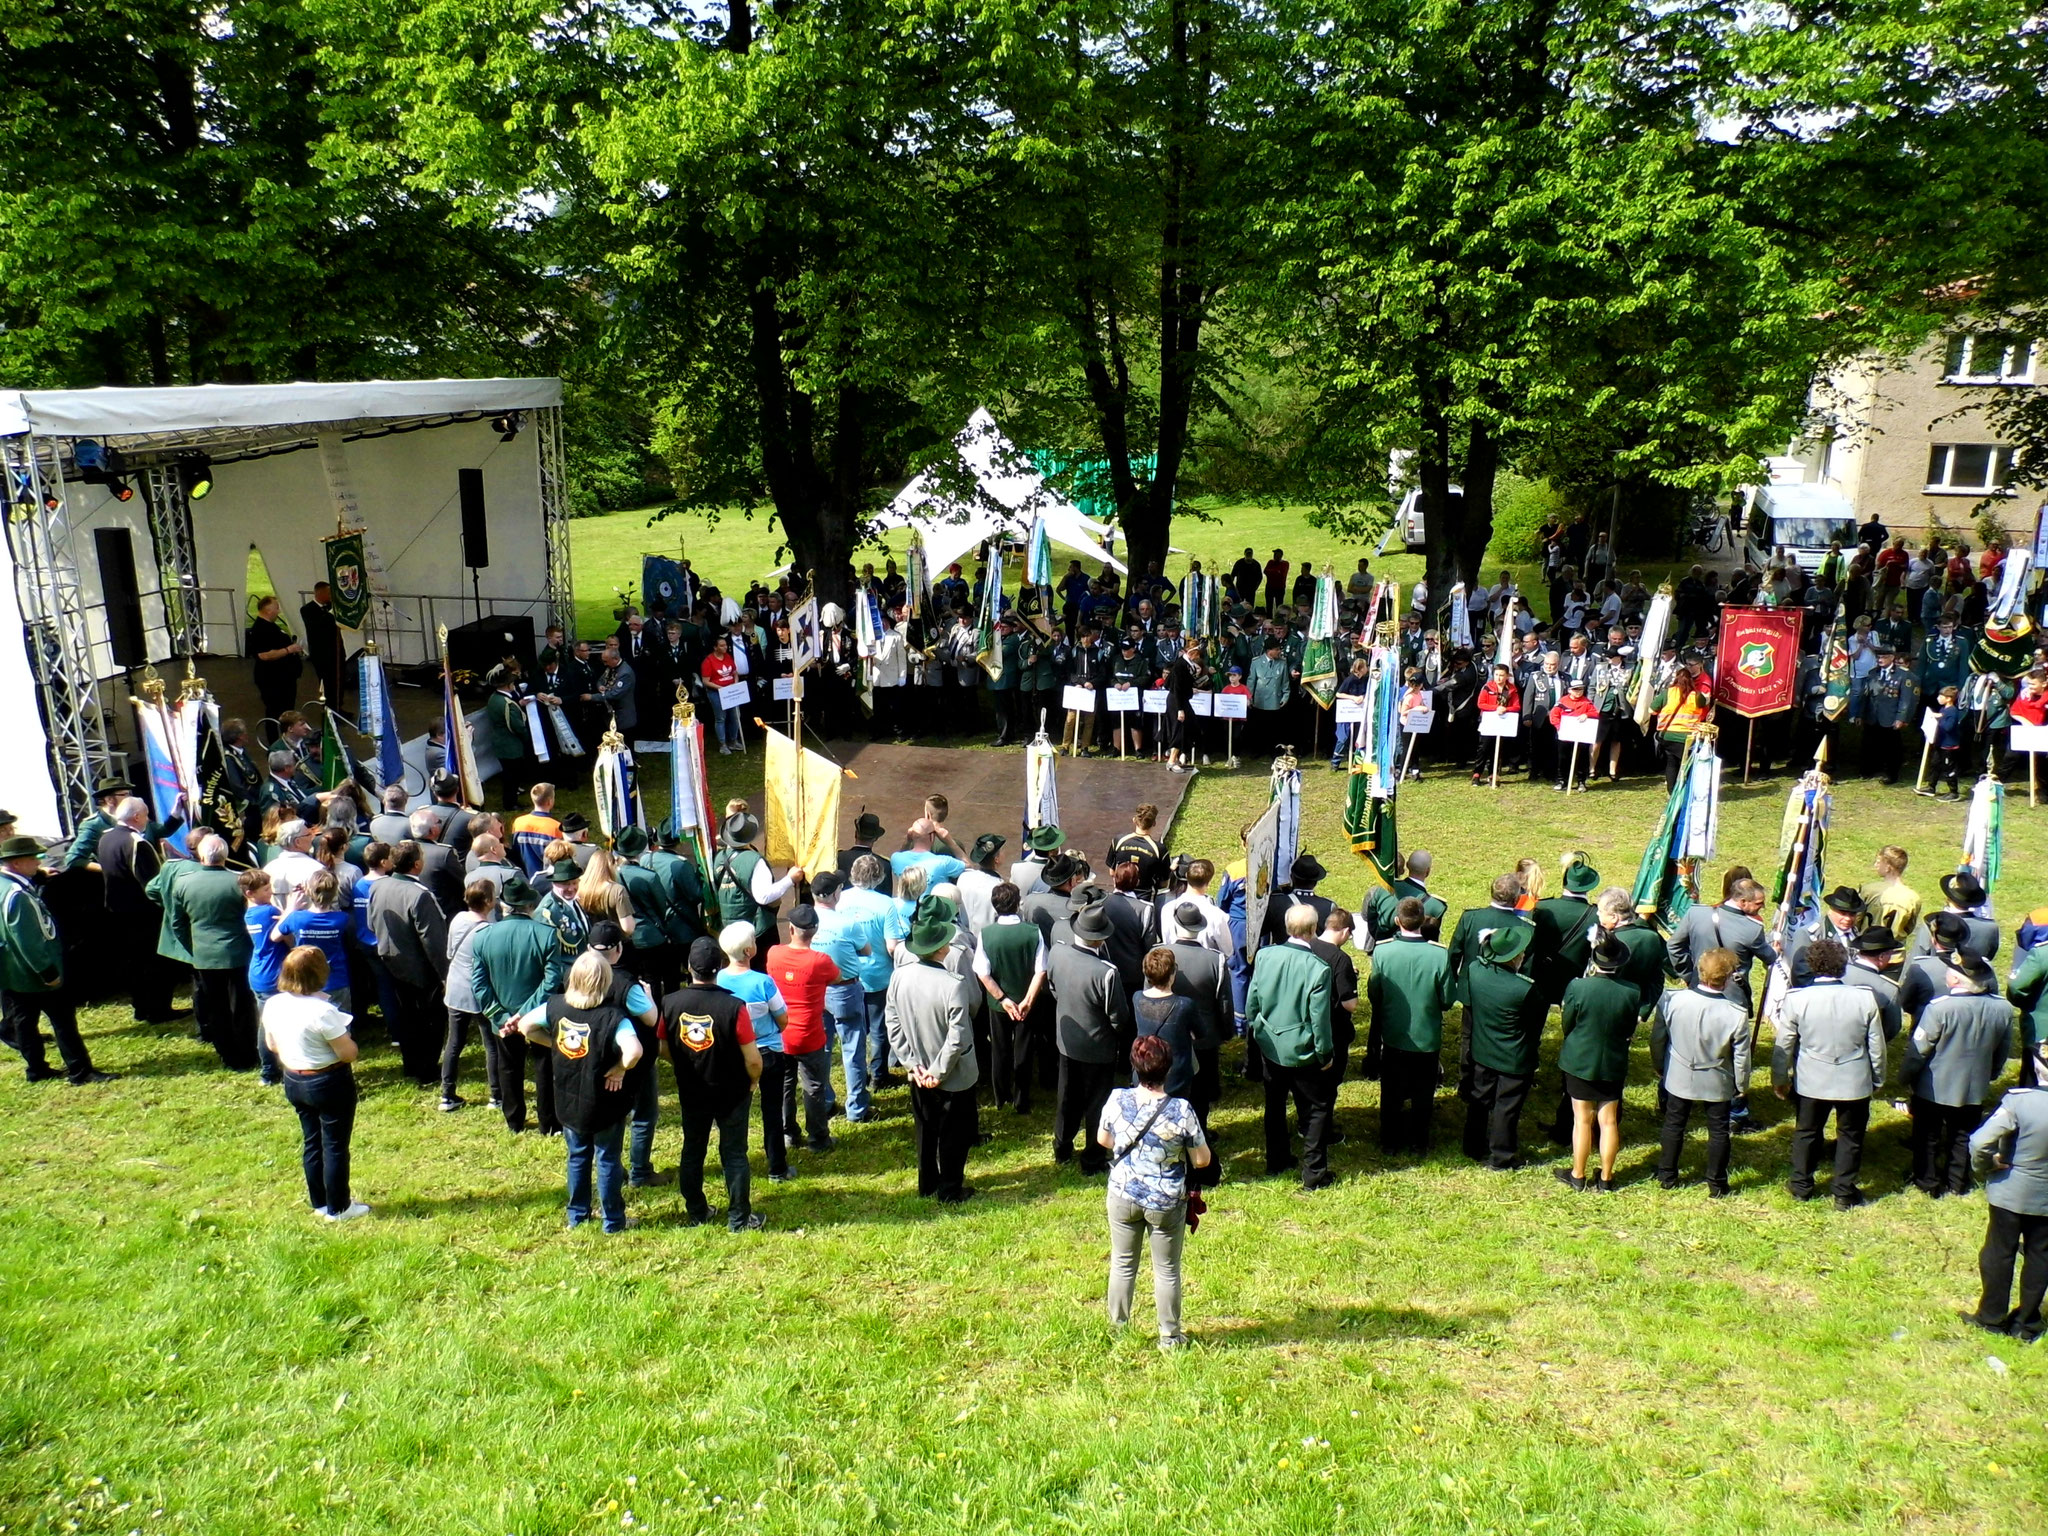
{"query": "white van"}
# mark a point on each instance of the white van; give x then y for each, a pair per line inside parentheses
(1408, 521)
(1802, 520)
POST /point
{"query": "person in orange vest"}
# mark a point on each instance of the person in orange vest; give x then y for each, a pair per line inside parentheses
(1688, 704)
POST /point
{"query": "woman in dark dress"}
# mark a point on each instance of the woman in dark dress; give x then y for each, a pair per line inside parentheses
(277, 656)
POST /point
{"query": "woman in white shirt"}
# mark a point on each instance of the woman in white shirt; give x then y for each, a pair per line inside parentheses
(310, 1038)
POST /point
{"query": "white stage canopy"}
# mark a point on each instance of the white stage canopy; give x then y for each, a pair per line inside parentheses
(1009, 495)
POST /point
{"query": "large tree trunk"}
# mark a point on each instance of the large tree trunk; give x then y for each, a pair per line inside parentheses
(1475, 525)
(1440, 536)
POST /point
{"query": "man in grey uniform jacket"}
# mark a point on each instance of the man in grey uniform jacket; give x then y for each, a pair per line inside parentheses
(1867, 958)
(1700, 1048)
(931, 1035)
(1959, 1046)
(1830, 1054)
(1965, 892)
(1733, 926)
(2011, 1151)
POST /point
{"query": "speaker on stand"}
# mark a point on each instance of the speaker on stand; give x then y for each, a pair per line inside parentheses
(476, 540)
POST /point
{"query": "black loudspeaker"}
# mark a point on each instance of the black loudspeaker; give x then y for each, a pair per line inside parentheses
(122, 597)
(478, 647)
(476, 539)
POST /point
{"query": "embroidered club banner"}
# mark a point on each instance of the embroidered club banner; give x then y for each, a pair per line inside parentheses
(348, 575)
(1756, 667)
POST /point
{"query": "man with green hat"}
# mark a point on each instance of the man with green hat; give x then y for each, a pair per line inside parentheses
(1565, 925)
(559, 912)
(1504, 1012)
(1042, 845)
(514, 963)
(931, 1035)
(1288, 1012)
(1408, 990)
(685, 887)
(978, 881)
(32, 972)
(654, 956)
(743, 889)
(107, 793)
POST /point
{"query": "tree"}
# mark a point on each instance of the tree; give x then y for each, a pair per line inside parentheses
(1504, 240)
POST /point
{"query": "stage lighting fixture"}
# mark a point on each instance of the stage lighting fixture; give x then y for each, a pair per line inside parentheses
(507, 426)
(120, 489)
(100, 465)
(197, 470)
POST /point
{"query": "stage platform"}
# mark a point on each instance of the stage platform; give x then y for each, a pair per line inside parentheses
(985, 790)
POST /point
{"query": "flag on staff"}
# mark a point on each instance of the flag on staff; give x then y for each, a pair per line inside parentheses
(2006, 647)
(1756, 660)
(988, 645)
(379, 721)
(1667, 881)
(348, 578)
(461, 751)
(1286, 785)
(1984, 835)
(1041, 783)
(1195, 611)
(664, 581)
(1260, 863)
(1038, 555)
(257, 584)
(333, 755)
(1802, 880)
(1319, 656)
(1834, 669)
(801, 791)
(1642, 687)
(917, 582)
(689, 786)
(1461, 619)
(170, 744)
(1504, 647)
(1375, 770)
(615, 785)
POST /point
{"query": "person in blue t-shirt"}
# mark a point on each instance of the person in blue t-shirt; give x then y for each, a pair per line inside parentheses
(853, 939)
(266, 960)
(322, 923)
(939, 867)
(766, 1012)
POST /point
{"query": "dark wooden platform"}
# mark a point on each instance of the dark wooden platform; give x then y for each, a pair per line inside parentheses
(985, 790)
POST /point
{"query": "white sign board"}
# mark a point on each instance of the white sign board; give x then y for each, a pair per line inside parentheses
(1155, 701)
(1203, 704)
(1233, 706)
(1583, 729)
(1419, 722)
(1078, 697)
(1500, 722)
(1122, 700)
(1930, 724)
(2029, 738)
(785, 689)
(1350, 709)
(733, 696)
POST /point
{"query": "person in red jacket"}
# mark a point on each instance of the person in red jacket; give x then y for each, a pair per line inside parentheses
(1579, 705)
(2031, 707)
(1498, 695)
(721, 671)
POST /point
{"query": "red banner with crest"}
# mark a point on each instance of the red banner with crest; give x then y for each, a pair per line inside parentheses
(1756, 666)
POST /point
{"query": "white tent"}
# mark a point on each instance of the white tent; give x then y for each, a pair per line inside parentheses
(1008, 496)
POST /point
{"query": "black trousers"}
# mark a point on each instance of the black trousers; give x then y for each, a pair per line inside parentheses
(1084, 1089)
(657, 967)
(418, 1027)
(1011, 1045)
(326, 1105)
(1852, 1120)
(1940, 1142)
(514, 775)
(1543, 761)
(459, 1025)
(2010, 1234)
(1673, 755)
(514, 1050)
(732, 1160)
(225, 1010)
(1677, 1116)
(1408, 1084)
(1883, 749)
(1493, 1116)
(776, 1133)
(945, 1130)
(148, 974)
(1314, 1092)
(22, 1013)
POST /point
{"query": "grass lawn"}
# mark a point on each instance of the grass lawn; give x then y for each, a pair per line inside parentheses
(1423, 1347)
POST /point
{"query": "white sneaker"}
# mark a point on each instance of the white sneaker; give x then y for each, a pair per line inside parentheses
(355, 1210)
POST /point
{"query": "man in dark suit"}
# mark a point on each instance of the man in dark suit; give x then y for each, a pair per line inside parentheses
(412, 943)
(1091, 1015)
(867, 831)
(323, 643)
(440, 870)
(128, 861)
(1203, 977)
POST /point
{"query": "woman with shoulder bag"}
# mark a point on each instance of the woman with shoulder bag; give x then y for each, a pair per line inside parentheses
(1152, 1139)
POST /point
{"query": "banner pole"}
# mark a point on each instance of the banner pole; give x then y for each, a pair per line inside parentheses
(1920, 778)
(1748, 746)
(1230, 744)
(1495, 784)
(1571, 772)
(1407, 758)
(2033, 779)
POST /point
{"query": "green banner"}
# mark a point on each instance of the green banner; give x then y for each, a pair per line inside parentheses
(348, 574)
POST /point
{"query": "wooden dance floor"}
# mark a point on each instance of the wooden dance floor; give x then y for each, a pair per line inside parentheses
(985, 791)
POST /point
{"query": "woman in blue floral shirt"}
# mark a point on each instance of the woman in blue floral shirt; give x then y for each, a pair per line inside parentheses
(1152, 1139)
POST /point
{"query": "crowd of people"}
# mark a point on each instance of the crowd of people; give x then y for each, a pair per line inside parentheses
(1124, 984)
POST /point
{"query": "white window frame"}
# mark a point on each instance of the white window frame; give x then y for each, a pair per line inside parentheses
(1941, 463)
(2015, 359)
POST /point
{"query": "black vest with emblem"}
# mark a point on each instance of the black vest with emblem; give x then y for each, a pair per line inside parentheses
(586, 1048)
(701, 1025)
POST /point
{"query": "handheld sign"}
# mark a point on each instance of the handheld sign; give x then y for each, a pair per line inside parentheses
(1079, 698)
(1583, 729)
(1233, 706)
(1350, 709)
(1204, 704)
(733, 696)
(2029, 738)
(1930, 724)
(785, 689)
(1496, 722)
(1155, 701)
(1419, 722)
(1123, 700)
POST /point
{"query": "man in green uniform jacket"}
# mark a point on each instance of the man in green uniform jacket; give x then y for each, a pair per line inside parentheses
(1288, 1012)
(32, 972)
(1601, 1011)
(743, 890)
(203, 917)
(1464, 952)
(1408, 991)
(514, 963)
(653, 957)
(1504, 1014)
(1382, 901)
(685, 891)
(1006, 687)
(511, 742)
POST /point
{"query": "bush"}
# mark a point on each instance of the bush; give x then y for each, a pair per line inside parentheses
(1520, 508)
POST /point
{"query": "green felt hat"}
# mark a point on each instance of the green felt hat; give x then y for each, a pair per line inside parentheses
(1582, 879)
(21, 848)
(564, 872)
(631, 841)
(1045, 839)
(931, 926)
(1507, 942)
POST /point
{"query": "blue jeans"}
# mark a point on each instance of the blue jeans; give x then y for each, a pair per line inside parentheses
(273, 1069)
(646, 1113)
(878, 1033)
(731, 733)
(1341, 751)
(326, 1105)
(847, 1007)
(604, 1146)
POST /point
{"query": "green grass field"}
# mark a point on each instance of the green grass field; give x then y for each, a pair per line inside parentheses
(1421, 1348)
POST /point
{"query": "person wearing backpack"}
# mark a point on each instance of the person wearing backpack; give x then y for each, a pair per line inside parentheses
(1153, 1140)
(743, 890)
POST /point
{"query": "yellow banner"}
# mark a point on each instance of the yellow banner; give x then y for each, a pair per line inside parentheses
(803, 806)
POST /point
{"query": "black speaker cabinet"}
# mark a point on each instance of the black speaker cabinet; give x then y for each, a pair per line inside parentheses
(115, 548)
(476, 539)
(478, 647)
